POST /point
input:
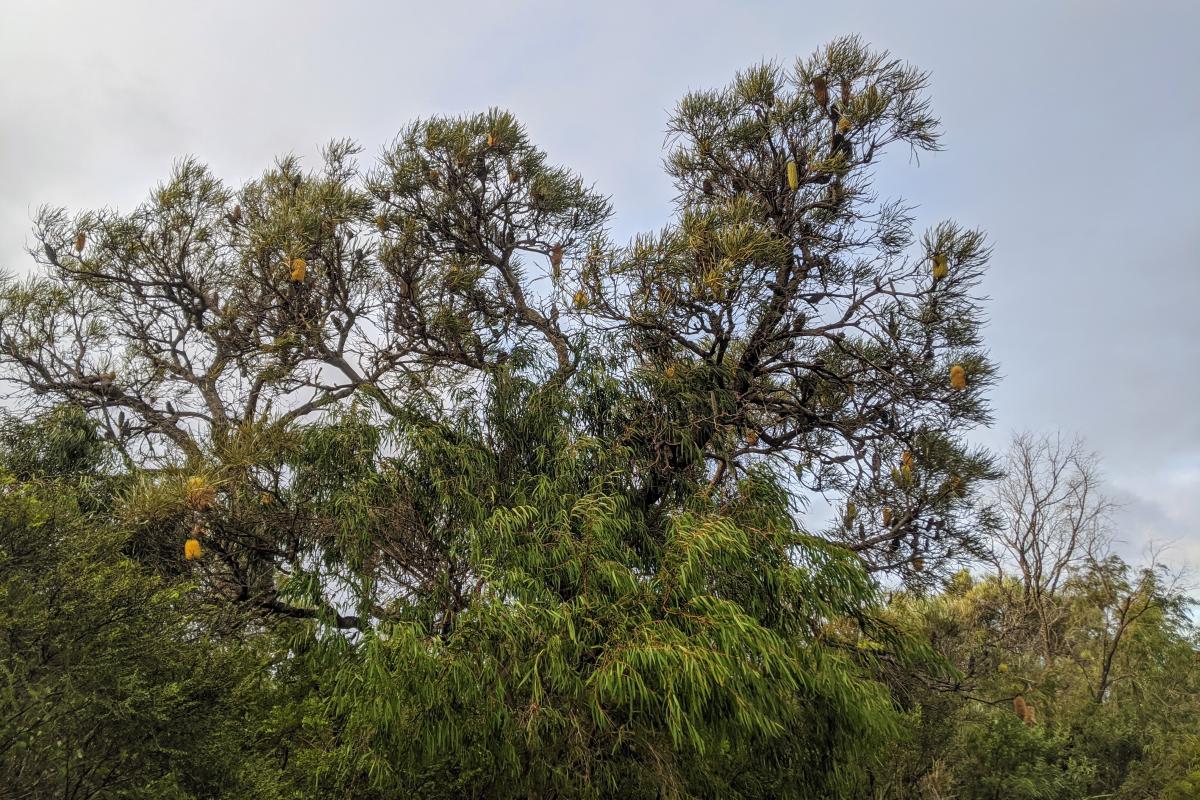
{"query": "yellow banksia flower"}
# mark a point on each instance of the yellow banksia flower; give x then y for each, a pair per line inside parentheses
(958, 378)
(581, 299)
(843, 125)
(491, 139)
(941, 266)
(752, 438)
(192, 550)
(793, 175)
(670, 372)
(299, 270)
(265, 499)
(906, 459)
(200, 493)
(851, 514)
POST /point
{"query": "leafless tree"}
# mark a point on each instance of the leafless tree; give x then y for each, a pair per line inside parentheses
(1054, 520)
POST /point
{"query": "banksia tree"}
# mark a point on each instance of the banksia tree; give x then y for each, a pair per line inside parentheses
(828, 336)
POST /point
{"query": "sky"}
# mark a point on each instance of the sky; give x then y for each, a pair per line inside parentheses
(1071, 131)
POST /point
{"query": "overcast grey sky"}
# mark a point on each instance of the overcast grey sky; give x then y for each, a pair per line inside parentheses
(1072, 134)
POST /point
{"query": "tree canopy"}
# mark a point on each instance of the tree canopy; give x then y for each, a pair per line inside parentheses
(400, 478)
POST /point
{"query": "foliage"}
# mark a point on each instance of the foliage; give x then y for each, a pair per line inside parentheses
(480, 503)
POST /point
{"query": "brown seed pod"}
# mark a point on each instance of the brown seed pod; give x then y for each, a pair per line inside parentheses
(820, 90)
(887, 517)
(1019, 706)
(707, 187)
(556, 256)
(200, 493)
(80, 241)
(751, 438)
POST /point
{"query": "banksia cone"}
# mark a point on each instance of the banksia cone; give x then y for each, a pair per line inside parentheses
(752, 438)
(80, 241)
(887, 516)
(513, 176)
(200, 493)
(236, 214)
(918, 564)
(192, 550)
(851, 514)
(844, 125)
(299, 270)
(381, 223)
(820, 90)
(941, 266)
(1030, 715)
(556, 256)
(581, 299)
(707, 186)
(958, 378)
(906, 460)
(793, 175)
(1019, 706)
